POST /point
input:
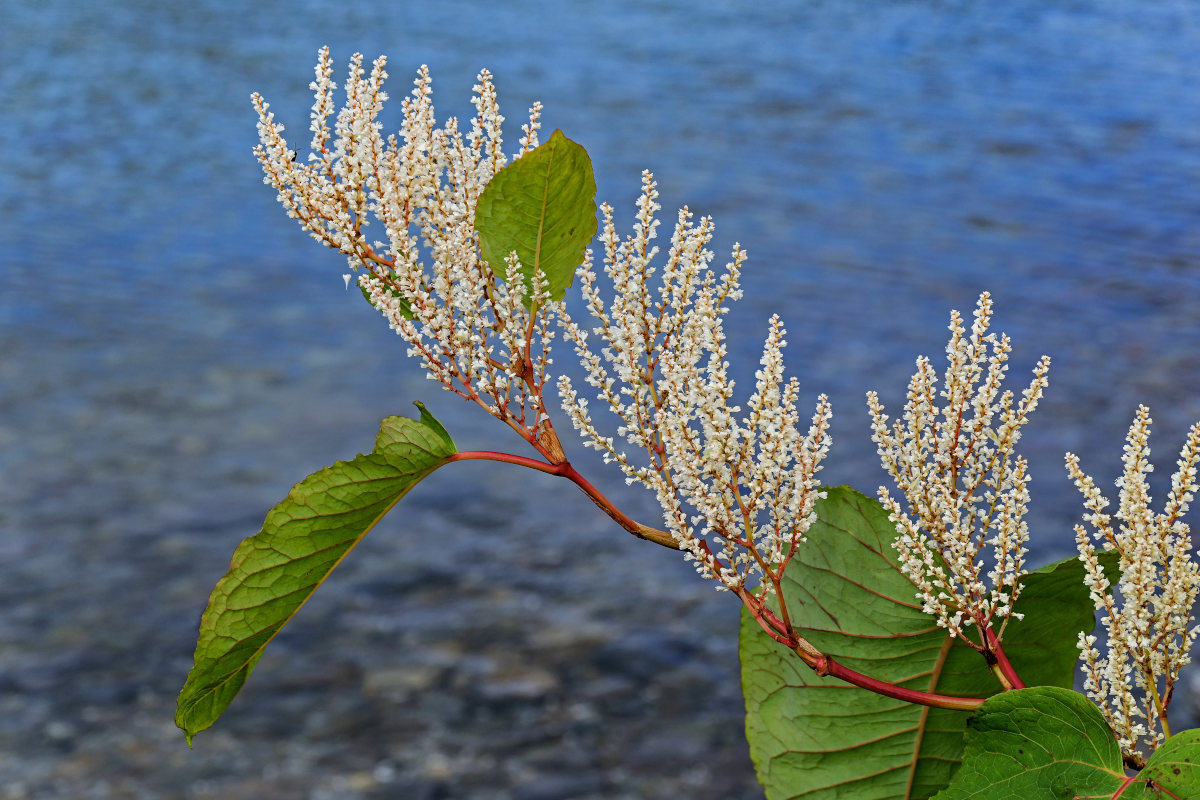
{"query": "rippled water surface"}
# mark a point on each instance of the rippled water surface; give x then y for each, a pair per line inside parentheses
(174, 354)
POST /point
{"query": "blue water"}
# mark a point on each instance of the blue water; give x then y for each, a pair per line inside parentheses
(174, 351)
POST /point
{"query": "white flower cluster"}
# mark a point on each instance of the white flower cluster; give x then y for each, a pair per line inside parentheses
(737, 493)
(1149, 627)
(473, 333)
(952, 456)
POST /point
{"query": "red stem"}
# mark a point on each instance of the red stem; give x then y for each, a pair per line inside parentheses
(1002, 661)
(825, 665)
(565, 470)
(820, 663)
(508, 458)
(1129, 779)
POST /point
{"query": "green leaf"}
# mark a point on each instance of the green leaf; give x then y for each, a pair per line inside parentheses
(818, 737)
(1175, 765)
(303, 538)
(543, 206)
(1049, 742)
(1056, 608)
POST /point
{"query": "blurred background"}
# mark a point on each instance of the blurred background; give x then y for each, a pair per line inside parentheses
(175, 354)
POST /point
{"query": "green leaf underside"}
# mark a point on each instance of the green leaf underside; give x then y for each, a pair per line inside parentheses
(302, 540)
(1051, 743)
(816, 737)
(543, 206)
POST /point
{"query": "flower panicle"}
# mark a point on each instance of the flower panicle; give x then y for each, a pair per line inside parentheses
(952, 456)
(474, 334)
(1147, 615)
(737, 487)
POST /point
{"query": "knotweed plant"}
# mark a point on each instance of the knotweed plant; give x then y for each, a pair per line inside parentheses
(952, 455)
(470, 260)
(1148, 618)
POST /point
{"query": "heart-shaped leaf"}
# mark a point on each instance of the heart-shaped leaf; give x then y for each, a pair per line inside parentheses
(543, 206)
(817, 737)
(1053, 743)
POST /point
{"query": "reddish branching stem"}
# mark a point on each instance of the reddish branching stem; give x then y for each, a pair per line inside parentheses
(775, 627)
(825, 665)
(1006, 667)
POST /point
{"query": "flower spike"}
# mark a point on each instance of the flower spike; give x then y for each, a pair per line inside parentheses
(737, 489)
(952, 455)
(472, 332)
(1148, 619)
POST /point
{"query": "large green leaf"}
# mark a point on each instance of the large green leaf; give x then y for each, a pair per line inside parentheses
(303, 538)
(1175, 765)
(819, 737)
(1052, 743)
(543, 206)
